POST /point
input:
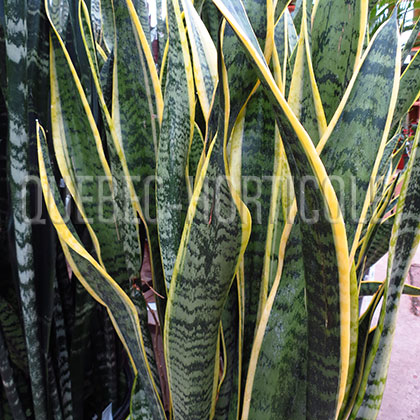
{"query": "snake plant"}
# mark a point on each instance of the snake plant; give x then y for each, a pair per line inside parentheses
(248, 154)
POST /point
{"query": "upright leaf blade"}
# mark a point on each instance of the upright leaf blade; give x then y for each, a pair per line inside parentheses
(364, 115)
(17, 100)
(338, 32)
(404, 241)
(201, 281)
(329, 328)
(175, 138)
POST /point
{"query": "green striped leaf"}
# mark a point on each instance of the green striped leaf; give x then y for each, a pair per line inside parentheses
(108, 27)
(329, 329)
(227, 403)
(410, 41)
(241, 75)
(285, 40)
(361, 126)
(136, 113)
(368, 288)
(279, 387)
(122, 262)
(409, 89)
(211, 18)
(404, 241)
(80, 345)
(281, 7)
(204, 57)
(162, 32)
(379, 243)
(195, 155)
(87, 172)
(252, 161)
(8, 381)
(303, 97)
(18, 96)
(364, 343)
(213, 241)
(59, 12)
(343, 25)
(60, 338)
(175, 138)
(99, 284)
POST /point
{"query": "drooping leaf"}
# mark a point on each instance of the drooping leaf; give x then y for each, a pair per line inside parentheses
(100, 285)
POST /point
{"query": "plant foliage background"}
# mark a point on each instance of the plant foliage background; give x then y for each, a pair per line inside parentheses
(105, 121)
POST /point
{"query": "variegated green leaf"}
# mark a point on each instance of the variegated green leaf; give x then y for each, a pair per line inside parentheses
(101, 286)
(329, 328)
(303, 96)
(204, 57)
(241, 75)
(364, 343)
(108, 27)
(281, 7)
(361, 127)
(87, 172)
(195, 154)
(175, 138)
(338, 33)
(279, 386)
(60, 14)
(410, 41)
(211, 17)
(252, 161)
(404, 241)
(18, 96)
(136, 111)
(409, 89)
(61, 341)
(213, 241)
(227, 396)
(368, 288)
(285, 40)
(162, 31)
(8, 381)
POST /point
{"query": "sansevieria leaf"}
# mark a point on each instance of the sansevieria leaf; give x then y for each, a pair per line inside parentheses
(17, 98)
(329, 328)
(100, 285)
(214, 238)
(361, 126)
(344, 25)
(403, 245)
(175, 137)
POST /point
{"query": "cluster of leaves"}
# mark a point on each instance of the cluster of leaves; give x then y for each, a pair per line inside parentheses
(257, 306)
